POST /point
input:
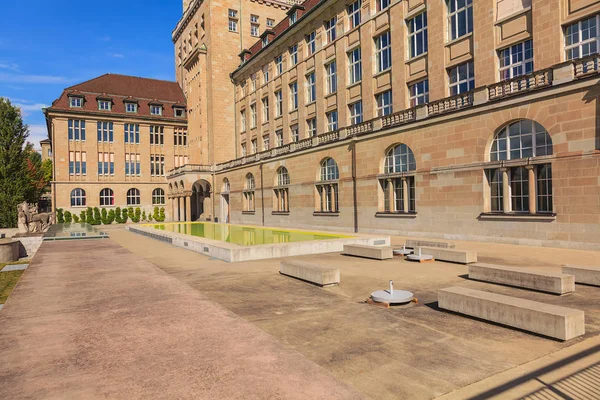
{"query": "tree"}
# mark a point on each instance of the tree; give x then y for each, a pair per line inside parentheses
(36, 174)
(14, 179)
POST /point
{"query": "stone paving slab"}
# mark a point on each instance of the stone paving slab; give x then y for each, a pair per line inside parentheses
(15, 267)
(91, 320)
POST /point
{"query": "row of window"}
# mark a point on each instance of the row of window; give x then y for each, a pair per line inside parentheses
(106, 164)
(510, 189)
(107, 197)
(130, 107)
(105, 133)
(233, 22)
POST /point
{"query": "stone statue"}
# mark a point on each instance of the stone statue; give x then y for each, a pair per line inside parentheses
(31, 221)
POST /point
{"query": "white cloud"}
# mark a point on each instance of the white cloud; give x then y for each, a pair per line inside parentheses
(37, 133)
(34, 79)
(26, 109)
(10, 66)
(116, 55)
(104, 38)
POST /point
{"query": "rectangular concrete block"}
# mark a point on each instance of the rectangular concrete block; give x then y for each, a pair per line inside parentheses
(451, 255)
(545, 319)
(365, 251)
(413, 244)
(310, 272)
(513, 276)
(583, 274)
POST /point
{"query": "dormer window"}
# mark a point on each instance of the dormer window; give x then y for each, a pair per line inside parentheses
(76, 102)
(265, 41)
(293, 17)
(131, 107)
(104, 105)
(179, 112)
(156, 110)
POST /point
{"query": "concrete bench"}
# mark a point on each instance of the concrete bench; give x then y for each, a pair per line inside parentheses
(310, 272)
(543, 281)
(451, 255)
(413, 244)
(545, 319)
(583, 274)
(366, 251)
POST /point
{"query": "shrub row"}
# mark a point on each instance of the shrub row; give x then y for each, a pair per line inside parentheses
(95, 216)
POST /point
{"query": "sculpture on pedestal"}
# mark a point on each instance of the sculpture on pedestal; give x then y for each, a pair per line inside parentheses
(29, 220)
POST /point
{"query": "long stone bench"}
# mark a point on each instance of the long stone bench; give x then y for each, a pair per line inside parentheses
(542, 281)
(451, 255)
(366, 251)
(310, 272)
(583, 274)
(413, 244)
(545, 319)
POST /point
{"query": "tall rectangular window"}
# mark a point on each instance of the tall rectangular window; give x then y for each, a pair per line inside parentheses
(330, 33)
(180, 137)
(462, 78)
(293, 55)
(265, 109)
(311, 127)
(383, 48)
(582, 37)
(354, 66)
(331, 77)
(353, 11)
(77, 129)
(77, 163)
(266, 142)
(311, 45)
(132, 164)
(279, 138)
(516, 60)
(356, 113)
(460, 18)
(105, 131)
(252, 116)
(278, 104)
(157, 135)
(242, 121)
(278, 65)
(265, 74)
(519, 187)
(417, 35)
(384, 103)
(544, 188)
(253, 80)
(382, 4)
(294, 96)
(332, 121)
(497, 188)
(311, 88)
(132, 133)
(294, 136)
(419, 93)
(106, 164)
(157, 165)
(233, 20)
(244, 150)
(254, 25)
(254, 146)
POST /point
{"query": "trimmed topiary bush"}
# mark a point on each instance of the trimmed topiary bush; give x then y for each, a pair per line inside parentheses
(60, 216)
(162, 214)
(68, 217)
(97, 220)
(89, 216)
(111, 217)
(75, 218)
(82, 216)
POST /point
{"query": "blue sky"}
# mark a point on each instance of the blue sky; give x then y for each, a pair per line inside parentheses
(46, 46)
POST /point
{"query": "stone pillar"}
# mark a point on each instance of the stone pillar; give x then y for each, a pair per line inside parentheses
(188, 208)
(178, 209)
(405, 192)
(172, 201)
(390, 188)
(505, 191)
(532, 189)
(286, 201)
(331, 198)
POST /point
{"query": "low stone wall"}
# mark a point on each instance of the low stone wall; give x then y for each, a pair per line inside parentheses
(583, 274)
(310, 272)
(29, 244)
(9, 251)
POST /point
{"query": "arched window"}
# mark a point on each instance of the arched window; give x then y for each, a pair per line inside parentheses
(327, 187)
(524, 187)
(78, 198)
(281, 192)
(249, 193)
(399, 186)
(133, 197)
(226, 186)
(158, 196)
(107, 197)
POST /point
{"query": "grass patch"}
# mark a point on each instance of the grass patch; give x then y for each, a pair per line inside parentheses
(8, 281)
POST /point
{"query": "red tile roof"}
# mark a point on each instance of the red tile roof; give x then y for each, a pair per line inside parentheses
(118, 88)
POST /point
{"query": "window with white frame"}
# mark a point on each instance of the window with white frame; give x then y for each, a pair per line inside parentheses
(131, 107)
(158, 197)
(78, 198)
(232, 13)
(278, 104)
(330, 32)
(398, 182)
(104, 105)
(353, 11)
(253, 80)
(266, 142)
(356, 113)
(265, 74)
(157, 165)
(293, 55)
(105, 131)
(132, 164)
(331, 77)
(383, 51)
(293, 96)
(265, 41)
(107, 197)
(76, 102)
(516, 60)
(180, 137)
(327, 186)
(281, 191)
(248, 193)
(77, 163)
(419, 93)
(521, 142)
(311, 88)
(311, 45)
(460, 18)
(384, 103)
(332, 121)
(279, 65)
(270, 22)
(279, 138)
(244, 150)
(254, 25)
(76, 130)
(254, 146)
(233, 20)
(252, 116)
(242, 121)
(311, 127)
(265, 109)
(354, 66)
(417, 35)
(133, 197)
(156, 110)
(582, 37)
(294, 136)
(382, 4)
(132, 133)
(106, 164)
(293, 17)
(462, 78)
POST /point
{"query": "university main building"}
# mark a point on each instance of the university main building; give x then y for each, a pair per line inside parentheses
(463, 119)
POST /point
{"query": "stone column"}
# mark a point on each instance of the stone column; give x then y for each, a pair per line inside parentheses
(505, 191)
(188, 208)
(532, 189)
(285, 200)
(178, 209)
(390, 188)
(405, 192)
(331, 198)
(172, 201)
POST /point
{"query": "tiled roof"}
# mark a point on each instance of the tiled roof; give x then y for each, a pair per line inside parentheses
(120, 88)
(281, 27)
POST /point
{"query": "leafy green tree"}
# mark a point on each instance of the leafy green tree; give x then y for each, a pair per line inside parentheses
(82, 216)
(156, 214)
(68, 217)
(75, 218)
(89, 217)
(104, 216)
(60, 216)
(125, 216)
(162, 214)
(111, 217)
(97, 220)
(14, 180)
